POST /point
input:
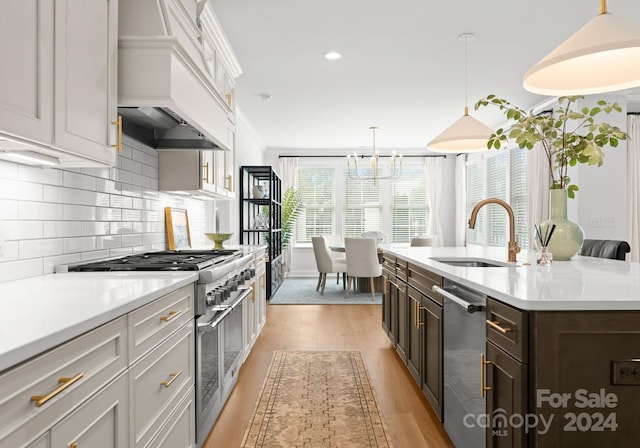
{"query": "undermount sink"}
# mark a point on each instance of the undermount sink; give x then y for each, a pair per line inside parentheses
(473, 262)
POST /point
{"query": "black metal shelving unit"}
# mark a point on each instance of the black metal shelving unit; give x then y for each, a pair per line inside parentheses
(252, 209)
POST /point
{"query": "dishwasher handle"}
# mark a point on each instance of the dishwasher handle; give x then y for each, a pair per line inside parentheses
(468, 306)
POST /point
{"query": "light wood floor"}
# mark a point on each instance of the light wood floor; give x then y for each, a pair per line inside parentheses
(408, 416)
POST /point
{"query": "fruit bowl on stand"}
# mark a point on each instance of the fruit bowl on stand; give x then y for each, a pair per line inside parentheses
(218, 239)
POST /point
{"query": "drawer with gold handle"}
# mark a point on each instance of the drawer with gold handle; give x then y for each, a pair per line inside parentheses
(65, 382)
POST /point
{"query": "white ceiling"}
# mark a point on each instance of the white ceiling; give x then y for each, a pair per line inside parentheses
(402, 68)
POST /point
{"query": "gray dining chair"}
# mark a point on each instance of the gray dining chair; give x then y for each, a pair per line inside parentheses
(325, 263)
(362, 261)
(336, 240)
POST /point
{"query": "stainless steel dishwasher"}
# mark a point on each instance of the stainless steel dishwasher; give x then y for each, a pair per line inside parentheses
(463, 337)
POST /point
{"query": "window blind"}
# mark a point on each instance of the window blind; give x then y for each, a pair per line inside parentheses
(409, 212)
(362, 205)
(518, 193)
(317, 190)
(475, 193)
(497, 188)
(499, 175)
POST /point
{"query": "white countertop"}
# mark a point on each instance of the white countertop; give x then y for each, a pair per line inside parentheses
(39, 313)
(582, 283)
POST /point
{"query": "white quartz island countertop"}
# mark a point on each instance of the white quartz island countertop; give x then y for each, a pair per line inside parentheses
(42, 312)
(582, 283)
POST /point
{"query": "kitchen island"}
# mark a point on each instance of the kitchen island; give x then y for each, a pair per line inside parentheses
(558, 363)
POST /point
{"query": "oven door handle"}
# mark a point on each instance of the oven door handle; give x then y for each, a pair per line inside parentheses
(245, 293)
(209, 326)
(467, 306)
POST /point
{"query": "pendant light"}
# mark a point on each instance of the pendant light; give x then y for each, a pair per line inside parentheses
(467, 134)
(602, 56)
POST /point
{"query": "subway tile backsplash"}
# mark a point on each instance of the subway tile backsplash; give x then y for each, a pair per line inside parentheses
(54, 216)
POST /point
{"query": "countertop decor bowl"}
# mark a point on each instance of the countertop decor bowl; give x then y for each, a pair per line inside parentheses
(218, 239)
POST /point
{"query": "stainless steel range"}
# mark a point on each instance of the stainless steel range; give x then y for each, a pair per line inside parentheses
(220, 296)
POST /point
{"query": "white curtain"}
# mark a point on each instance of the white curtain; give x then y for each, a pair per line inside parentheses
(537, 187)
(434, 167)
(288, 176)
(461, 200)
(633, 186)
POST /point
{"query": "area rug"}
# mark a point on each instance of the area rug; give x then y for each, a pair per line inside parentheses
(302, 290)
(317, 399)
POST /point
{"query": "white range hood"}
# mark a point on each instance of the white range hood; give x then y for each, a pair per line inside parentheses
(171, 55)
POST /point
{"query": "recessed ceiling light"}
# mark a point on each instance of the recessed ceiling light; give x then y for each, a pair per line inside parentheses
(332, 55)
(265, 97)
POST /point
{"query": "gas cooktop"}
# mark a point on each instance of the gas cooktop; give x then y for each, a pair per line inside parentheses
(184, 260)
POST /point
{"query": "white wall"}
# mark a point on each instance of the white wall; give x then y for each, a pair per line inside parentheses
(54, 216)
(602, 199)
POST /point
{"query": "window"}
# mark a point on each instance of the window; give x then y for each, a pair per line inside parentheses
(317, 190)
(362, 205)
(475, 193)
(502, 175)
(409, 213)
(334, 203)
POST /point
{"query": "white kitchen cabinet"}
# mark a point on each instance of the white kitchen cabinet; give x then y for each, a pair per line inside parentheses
(179, 430)
(26, 69)
(256, 304)
(101, 422)
(36, 394)
(196, 173)
(250, 318)
(261, 276)
(58, 72)
(42, 442)
(86, 44)
(91, 392)
(158, 383)
(151, 324)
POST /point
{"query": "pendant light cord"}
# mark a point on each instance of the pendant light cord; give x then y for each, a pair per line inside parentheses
(466, 37)
(466, 76)
(603, 6)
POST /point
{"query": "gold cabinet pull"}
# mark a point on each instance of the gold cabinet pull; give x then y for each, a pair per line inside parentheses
(483, 386)
(229, 98)
(229, 181)
(172, 315)
(118, 145)
(173, 377)
(264, 281)
(497, 326)
(64, 383)
(206, 172)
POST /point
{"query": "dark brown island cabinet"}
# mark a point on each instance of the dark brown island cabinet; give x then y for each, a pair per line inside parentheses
(552, 378)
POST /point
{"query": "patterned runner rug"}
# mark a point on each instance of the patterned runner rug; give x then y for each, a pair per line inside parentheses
(317, 399)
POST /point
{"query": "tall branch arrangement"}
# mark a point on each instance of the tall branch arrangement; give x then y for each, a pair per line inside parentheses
(569, 135)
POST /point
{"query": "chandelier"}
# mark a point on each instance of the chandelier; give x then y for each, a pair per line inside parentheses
(393, 171)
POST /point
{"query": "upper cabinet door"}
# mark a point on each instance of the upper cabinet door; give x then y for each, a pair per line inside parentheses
(26, 69)
(86, 43)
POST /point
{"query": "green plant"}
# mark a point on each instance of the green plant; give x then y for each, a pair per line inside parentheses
(292, 206)
(568, 135)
